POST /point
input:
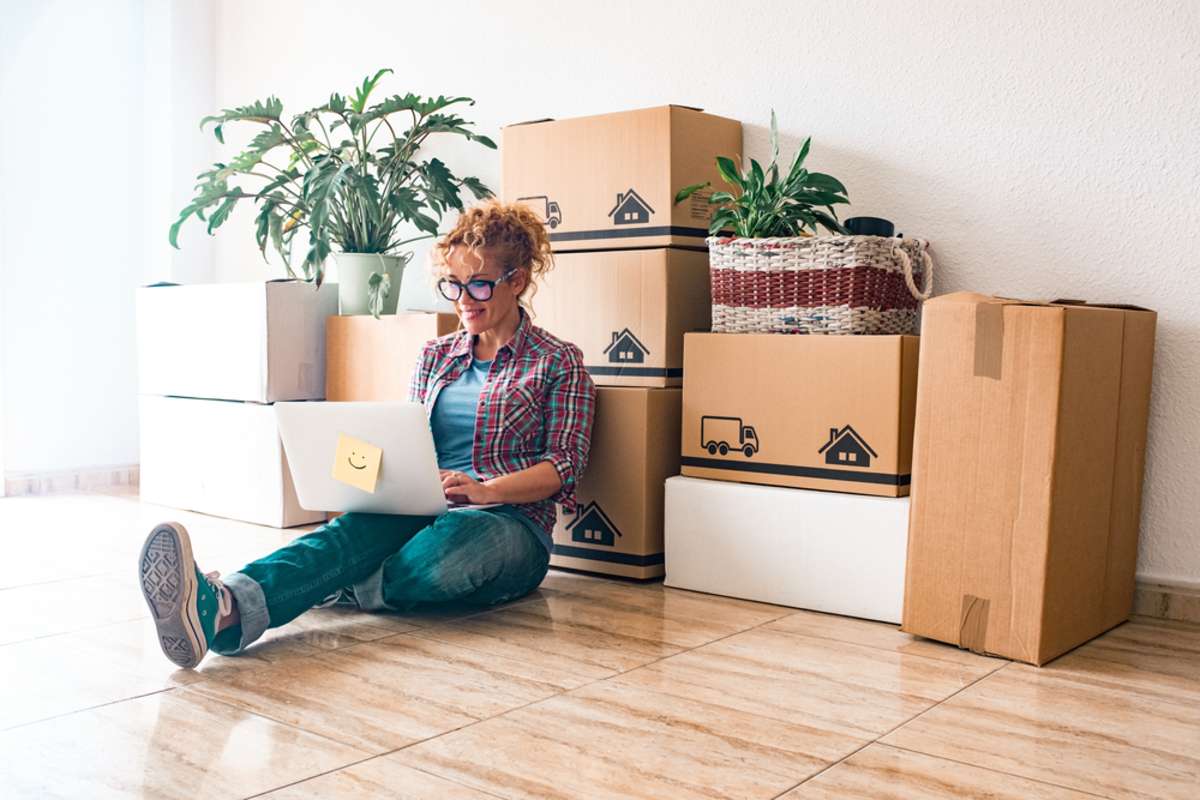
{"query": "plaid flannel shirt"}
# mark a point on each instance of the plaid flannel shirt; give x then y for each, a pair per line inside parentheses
(537, 405)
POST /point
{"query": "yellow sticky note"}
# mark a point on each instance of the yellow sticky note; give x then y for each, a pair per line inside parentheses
(356, 463)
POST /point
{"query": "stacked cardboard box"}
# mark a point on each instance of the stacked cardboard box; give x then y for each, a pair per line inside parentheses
(211, 360)
(831, 413)
(630, 279)
(373, 359)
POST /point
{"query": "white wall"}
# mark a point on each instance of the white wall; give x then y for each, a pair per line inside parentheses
(95, 96)
(71, 222)
(1047, 149)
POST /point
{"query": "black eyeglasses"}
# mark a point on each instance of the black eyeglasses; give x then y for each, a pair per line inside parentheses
(478, 288)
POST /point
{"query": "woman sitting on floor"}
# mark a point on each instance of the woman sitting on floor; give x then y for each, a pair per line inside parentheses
(511, 410)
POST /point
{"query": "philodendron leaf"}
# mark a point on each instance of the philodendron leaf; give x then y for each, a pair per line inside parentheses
(441, 183)
(477, 188)
(363, 92)
(379, 286)
(267, 111)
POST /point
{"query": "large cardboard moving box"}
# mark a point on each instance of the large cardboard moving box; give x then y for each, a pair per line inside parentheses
(610, 180)
(617, 529)
(373, 359)
(1027, 473)
(258, 342)
(627, 310)
(817, 412)
(823, 551)
(218, 457)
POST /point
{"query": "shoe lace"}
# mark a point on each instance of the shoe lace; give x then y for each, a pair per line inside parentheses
(224, 596)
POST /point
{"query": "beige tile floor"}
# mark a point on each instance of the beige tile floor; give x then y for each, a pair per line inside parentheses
(586, 689)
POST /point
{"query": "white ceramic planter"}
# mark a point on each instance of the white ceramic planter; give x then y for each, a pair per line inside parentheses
(354, 271)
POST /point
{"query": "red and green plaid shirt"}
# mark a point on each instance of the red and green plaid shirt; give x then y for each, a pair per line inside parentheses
(537, 405)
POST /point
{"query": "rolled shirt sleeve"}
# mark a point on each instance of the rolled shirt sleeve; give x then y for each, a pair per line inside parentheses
(570, 406)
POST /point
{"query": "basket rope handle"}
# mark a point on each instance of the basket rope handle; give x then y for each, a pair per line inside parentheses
(927, 268)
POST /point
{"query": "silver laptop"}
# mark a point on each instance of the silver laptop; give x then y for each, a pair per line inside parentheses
(408, 481)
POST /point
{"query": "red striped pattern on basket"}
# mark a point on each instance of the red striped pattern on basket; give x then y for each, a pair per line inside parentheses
(856, 287)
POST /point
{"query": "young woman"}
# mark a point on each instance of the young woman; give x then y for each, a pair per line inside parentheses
(511, 410)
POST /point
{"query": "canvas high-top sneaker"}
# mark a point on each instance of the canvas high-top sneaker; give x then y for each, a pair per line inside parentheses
(186, 604)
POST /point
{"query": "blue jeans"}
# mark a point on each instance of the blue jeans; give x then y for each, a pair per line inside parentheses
(471, 557)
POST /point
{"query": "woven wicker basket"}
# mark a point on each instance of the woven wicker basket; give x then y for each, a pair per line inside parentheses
(819, 284)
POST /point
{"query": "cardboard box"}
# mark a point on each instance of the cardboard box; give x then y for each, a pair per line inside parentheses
(1027, 473)
(823, 551)
(617, 529)
(217, 457)
(627, 310)
(373, 359)
(610, 180)
(816, 412)
(258, 342)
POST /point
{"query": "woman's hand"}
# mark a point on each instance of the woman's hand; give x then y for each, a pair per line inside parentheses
(460, 487)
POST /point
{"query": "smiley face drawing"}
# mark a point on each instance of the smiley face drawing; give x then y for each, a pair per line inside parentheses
(357, 463)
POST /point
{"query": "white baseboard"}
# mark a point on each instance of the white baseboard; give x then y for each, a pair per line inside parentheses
(92, 479)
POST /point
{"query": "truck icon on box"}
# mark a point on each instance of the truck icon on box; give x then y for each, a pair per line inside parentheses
(722, 434)
(549, 210)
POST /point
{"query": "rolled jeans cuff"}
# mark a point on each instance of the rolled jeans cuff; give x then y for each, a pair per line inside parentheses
(368, 593)
(252, 608)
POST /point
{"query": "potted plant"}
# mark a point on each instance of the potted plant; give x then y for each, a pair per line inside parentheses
(775, 275)
(353, 179)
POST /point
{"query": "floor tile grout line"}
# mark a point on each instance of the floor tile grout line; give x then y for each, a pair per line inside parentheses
(85, 709)
(299, 781)
(51, 581)
(359, 763)
(269, 718)
(574, 689)
(890, 731)
(887, 650)
(993, 770)
(84, 629)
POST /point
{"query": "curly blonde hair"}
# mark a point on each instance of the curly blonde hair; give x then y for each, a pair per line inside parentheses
(510, 232)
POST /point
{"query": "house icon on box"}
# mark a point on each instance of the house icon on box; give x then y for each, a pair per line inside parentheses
(592, 526)
(625, 348)
(630, 209)
(846, 448)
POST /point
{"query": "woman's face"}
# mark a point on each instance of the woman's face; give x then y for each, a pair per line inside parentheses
(479, 316)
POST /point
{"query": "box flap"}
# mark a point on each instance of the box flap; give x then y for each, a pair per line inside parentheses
(689, 108)
(530, 122)
(1086, 304)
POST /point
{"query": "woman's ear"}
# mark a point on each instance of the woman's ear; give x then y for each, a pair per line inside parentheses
(520, 282)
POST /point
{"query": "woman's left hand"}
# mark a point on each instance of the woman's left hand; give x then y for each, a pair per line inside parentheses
(460, 487)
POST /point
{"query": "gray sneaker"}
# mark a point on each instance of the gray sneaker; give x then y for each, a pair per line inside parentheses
(185, 603)
(342, 597)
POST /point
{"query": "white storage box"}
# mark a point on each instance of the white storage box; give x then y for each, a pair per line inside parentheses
(822, 551)
(259, 342)
(218, 457)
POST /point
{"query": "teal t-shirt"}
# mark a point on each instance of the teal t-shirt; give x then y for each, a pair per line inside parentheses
(453, 425)
(453, 420)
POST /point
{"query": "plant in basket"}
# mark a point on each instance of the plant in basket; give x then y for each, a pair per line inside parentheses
(776, 275)
(769, 204)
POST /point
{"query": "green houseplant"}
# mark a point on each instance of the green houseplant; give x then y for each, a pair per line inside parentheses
(769, 203)
(774, 275)
(347, 173)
